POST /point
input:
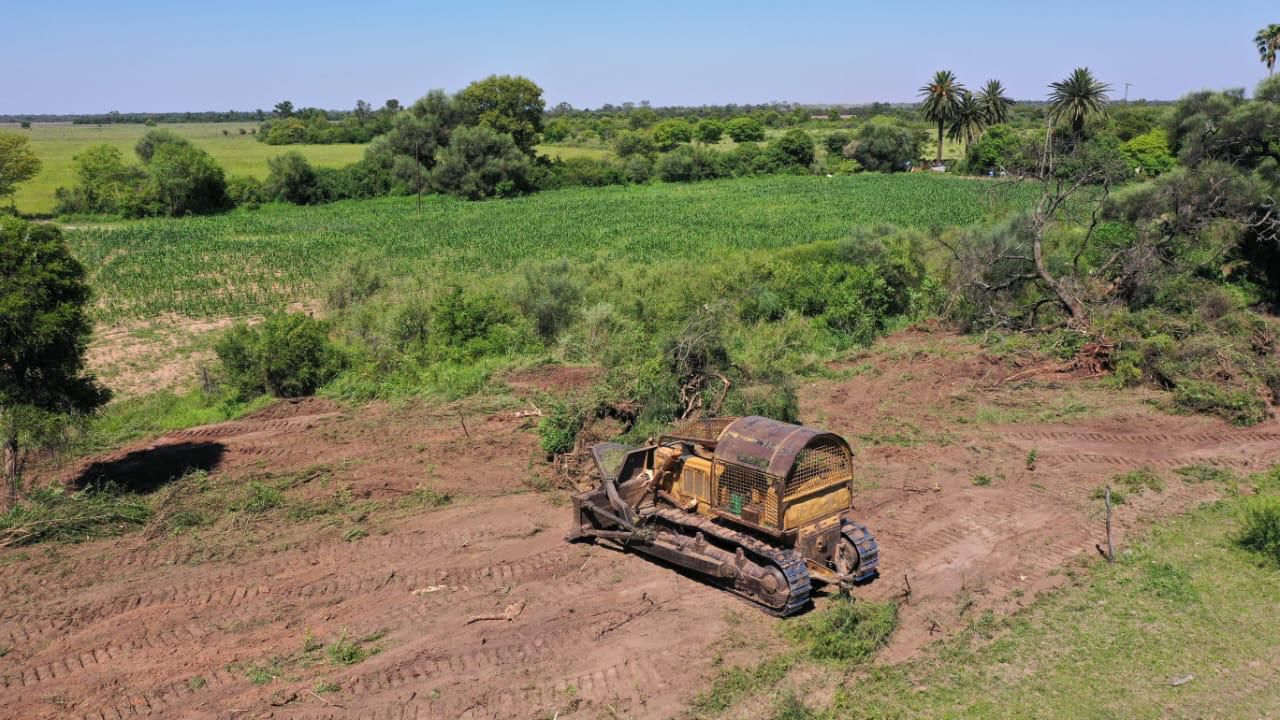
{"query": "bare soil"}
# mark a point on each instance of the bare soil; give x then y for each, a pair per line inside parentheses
(216, 622)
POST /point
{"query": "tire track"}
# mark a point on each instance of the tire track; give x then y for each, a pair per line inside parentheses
(229, 589)
(1243, 436)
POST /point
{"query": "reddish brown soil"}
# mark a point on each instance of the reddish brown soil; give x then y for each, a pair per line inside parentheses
(169, 626)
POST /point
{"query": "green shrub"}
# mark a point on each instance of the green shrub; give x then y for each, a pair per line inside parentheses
(245, 191)
(287, 355)
(848, 631)
(884, 147)
(559, 427)
(260, 498)
(548, 295)
(356, 284)
(835, 142)
(1236, 406)
(1204, 473)
(481, 163)
(1136, 481)
(1261, 527)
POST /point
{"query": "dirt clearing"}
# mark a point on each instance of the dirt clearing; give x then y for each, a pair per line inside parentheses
(981, 493)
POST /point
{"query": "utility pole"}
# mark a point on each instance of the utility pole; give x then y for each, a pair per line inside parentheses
(417, 164)
(1126, 92)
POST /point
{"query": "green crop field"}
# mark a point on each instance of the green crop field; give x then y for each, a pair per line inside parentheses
(246, 261)
(57, 143)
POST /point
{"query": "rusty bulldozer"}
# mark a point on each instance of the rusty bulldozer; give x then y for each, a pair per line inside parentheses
(756, 506)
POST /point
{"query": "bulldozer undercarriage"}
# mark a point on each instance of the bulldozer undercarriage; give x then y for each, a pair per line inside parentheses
(775, 579)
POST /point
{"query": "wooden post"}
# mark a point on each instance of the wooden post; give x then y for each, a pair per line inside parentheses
(417, 164)
(1111, 550)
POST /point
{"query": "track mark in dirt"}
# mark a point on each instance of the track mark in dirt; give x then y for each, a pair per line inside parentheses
(116, 628)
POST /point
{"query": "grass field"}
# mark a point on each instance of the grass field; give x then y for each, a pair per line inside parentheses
(1111, 645)
(246, 261)
(57, 143)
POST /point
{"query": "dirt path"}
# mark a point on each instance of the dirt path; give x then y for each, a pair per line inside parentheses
(182, 626)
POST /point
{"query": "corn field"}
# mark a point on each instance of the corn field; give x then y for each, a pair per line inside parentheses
(247, 262)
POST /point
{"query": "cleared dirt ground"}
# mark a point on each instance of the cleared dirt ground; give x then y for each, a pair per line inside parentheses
(174, 625)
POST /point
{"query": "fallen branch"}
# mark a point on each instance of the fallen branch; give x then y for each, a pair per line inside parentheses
(326, 702)
(630, 616)
(512, 612)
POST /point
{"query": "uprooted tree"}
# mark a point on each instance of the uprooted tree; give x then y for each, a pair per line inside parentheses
(1167, 275)
(44, 332)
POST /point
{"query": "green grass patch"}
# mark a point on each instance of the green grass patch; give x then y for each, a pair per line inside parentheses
(1204, 473)
(161, 412)
(58, 514)
(1184, 601)
(847, 631)
(734, 684)
(57, 143)
(1135, 482)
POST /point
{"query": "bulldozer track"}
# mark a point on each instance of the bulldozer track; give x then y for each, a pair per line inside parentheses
(1241, 436)
(214, 592)
(1161, 462)
(789, 562)
(145, 559)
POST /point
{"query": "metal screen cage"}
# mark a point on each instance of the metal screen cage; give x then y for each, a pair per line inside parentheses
(746, 492)
(824, 462)
(706, 429)
(762, 465)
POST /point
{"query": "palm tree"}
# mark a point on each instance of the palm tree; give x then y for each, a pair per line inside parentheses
(941, 97)
(969, 120)
(1079, 98)
(1268, 41)
(995, 105)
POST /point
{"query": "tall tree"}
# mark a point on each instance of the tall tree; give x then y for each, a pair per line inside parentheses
(1268, 42)
(941, 100)
(995, 104)
(1078, 98)
(284, 109)
(508, 104)
(44, 332)
(17, 161)
(968, 121)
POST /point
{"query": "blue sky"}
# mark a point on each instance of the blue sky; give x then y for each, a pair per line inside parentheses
(79, 56)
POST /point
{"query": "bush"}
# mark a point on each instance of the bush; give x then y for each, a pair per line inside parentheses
(182, 179)
(1149, 153)
(670, 133)
(1261, 527)
(709, 131)
(629, 143)
(354, 285)
(1001, 148)
(559, 427)
(885, 147)
(795, 147)
(481, 163)
(835, 142)
(848, 631)
(287, 355)
(1236, 406)
(291, 178)
(548, 295)
(689, 164)
(588, 172)
(745, 129)
(244, 191)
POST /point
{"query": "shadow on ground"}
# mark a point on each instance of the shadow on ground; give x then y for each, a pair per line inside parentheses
(147, 470)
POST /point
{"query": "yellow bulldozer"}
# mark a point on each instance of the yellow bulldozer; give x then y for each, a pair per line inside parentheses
(754, 505)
